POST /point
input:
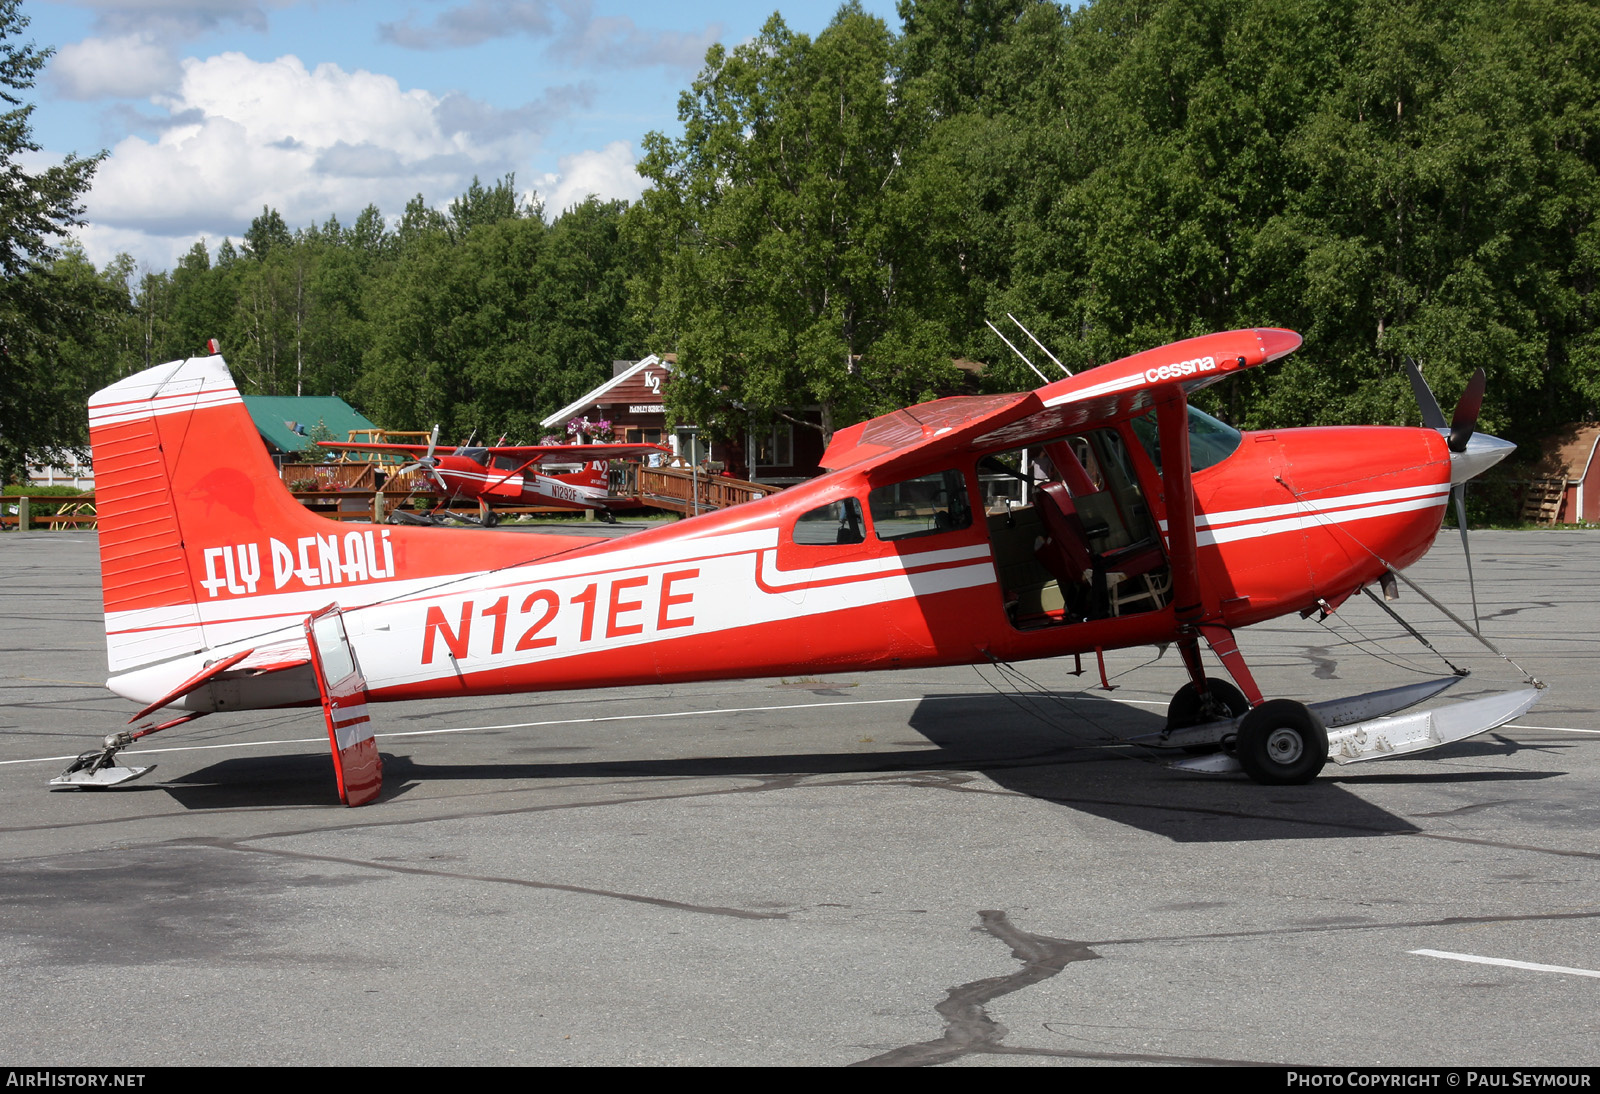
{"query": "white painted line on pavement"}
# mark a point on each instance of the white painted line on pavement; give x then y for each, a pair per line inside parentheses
(1507, 962)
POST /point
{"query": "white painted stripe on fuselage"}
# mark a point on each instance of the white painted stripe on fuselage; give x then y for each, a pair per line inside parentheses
(1312, 519)
(1260, 521)
(388, 634)
(892, 564)
(389, 638)
(1342, 501)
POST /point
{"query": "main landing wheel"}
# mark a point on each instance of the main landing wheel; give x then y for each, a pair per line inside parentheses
(1222, 702)
(1282, 743)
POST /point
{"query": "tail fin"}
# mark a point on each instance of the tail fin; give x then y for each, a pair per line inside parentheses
(178, 469)
(201, 544)
(594, 475)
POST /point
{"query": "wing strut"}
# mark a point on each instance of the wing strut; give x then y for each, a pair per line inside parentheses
(1177, 486)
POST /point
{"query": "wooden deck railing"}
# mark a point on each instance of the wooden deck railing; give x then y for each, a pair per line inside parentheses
(345, 492)
(689, 491)
(49, 511)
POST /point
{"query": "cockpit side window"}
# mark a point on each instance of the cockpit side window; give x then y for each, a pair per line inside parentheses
(924, 506)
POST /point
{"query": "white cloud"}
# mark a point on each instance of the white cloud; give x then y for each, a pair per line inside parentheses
(581, 38)
(134, 66)
(155, 253)
(178, 18)
(240, 134)
(471, 23)
(618, 41)
(607, 174)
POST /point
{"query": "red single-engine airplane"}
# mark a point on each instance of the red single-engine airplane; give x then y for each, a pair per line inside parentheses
(1145, 522)
(509, 474)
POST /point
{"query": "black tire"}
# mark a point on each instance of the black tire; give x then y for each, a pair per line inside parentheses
(1187, 709)
(1282, 743)
(1223, 702)
(490, 519)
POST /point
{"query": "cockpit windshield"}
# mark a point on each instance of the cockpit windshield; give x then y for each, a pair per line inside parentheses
(1210, 441)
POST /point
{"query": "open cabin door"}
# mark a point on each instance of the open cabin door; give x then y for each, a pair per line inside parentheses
(356, 763)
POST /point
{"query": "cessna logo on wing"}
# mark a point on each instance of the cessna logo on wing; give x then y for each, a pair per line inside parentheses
(1180, 369)
(312, 560)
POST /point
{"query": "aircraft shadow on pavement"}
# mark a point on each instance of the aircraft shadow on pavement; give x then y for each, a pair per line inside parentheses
(1061, 748)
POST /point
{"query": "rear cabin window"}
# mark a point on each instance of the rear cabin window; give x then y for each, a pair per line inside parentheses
(835, 523)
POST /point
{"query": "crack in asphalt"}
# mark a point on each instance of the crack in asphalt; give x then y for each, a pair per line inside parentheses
(969, 1030)
(493, 879)
(1331, 928)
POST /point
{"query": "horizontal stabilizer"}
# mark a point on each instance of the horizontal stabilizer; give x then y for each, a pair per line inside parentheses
(192, 683)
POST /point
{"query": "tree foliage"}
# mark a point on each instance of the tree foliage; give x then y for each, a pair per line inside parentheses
(842, 213)
(44, 309)
(780, 231)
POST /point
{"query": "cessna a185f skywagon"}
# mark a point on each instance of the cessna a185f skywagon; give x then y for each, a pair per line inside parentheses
(1136, 520)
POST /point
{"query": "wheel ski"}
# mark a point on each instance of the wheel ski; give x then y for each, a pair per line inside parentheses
(1353, 739)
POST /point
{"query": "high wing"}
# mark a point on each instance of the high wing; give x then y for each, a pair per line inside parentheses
(576, 453)
(532, 453)
(1121, 389)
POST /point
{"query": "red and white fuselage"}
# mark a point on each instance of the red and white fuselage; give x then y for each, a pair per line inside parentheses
(205, 555)
(462, 476)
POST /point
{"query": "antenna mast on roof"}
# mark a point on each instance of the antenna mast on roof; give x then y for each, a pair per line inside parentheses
(1042, 377)
(1038, 343)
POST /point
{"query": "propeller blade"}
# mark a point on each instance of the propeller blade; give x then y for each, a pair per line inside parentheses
(1466, 416)
(1432, 416)
(1459, 495)
(1462, 428)
(433, 442)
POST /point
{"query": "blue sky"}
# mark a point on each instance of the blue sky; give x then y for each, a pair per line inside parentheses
(211, 109)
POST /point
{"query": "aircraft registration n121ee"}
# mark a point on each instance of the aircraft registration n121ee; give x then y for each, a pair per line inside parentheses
(1099, 511)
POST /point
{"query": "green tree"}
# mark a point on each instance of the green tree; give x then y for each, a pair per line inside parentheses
(778, 237)
(486, 205)
(267, 233)
(42, 309)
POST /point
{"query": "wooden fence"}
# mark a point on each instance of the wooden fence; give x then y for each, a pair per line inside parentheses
(345, 491)
(51, 511)
(689, 491)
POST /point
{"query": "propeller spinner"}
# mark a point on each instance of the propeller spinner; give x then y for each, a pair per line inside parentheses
(428, 462)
